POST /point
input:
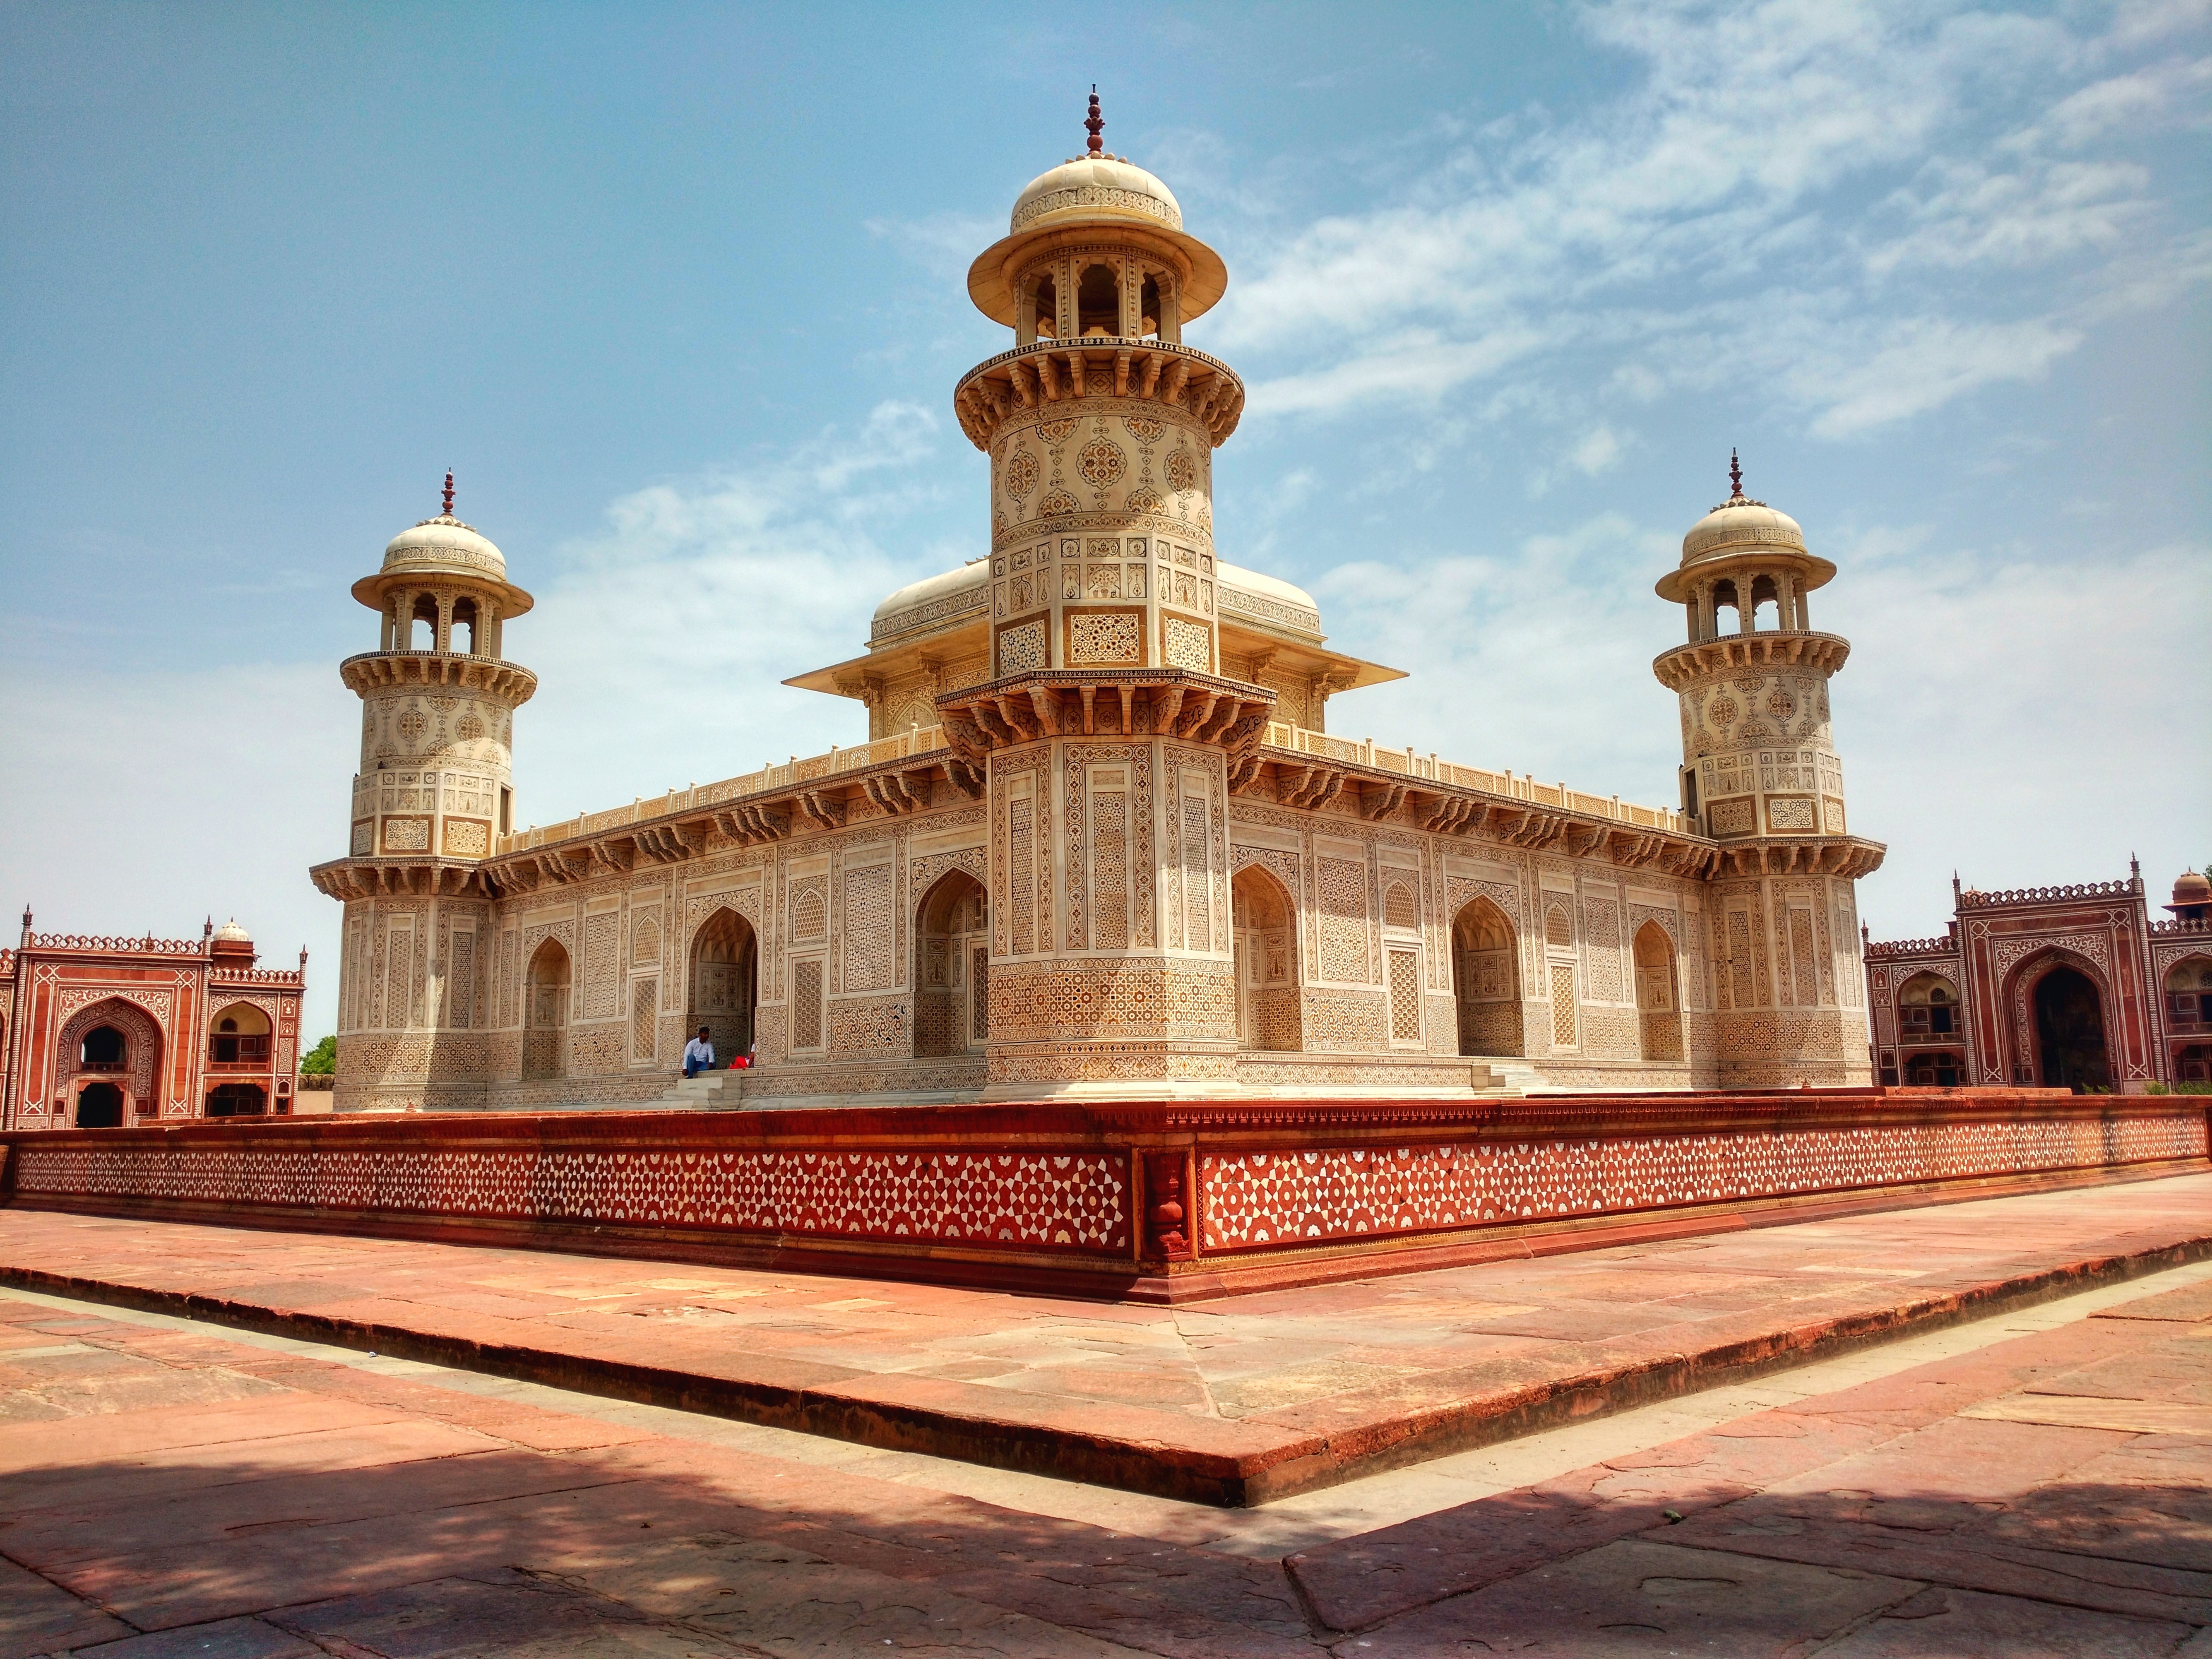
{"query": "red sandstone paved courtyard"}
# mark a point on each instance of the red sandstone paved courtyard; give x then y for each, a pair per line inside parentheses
(2039, 1487)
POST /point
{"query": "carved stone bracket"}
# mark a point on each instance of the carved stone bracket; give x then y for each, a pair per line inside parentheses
(1174, 702)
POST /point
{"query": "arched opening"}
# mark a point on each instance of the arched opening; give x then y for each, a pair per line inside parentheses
(99, 1106)
(237, 1100)
(1927, 1006)
(1265, 949)
(544, 1038)
(1658, 999)
(1097, 303)
(952, 967)
(725, 984)
(464, 635)
(1148, 305)
(1487, 981)
(1048, 308)
(422, 624)
(1764, 594)
(238, 1035)
(2189, 996)
(104, 1050)
(1725, 598)
(2070, 1032)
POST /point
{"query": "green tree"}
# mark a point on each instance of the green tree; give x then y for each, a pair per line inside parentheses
(322, 1060)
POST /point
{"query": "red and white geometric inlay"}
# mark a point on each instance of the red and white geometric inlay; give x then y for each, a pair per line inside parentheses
(1074, 1200)
(1274, 1199)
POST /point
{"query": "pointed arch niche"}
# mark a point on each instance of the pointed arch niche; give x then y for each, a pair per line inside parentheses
(1658, 994)
(1487, 981)
(545, 1010)
(952, 968)
(725, 981)
(1268, 1016)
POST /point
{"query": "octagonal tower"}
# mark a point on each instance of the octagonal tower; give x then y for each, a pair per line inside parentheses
(434, 794)
(1109, 733)
(1761, 776)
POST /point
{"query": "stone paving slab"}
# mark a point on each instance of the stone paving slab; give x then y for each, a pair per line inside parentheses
(1884, 1520)
(1235, 1402)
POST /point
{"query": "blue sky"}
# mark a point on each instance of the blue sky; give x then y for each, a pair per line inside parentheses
(677, 293)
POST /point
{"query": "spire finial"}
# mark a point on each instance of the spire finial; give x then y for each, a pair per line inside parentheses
(449, 492)
(1097, 123)
(1736, 475)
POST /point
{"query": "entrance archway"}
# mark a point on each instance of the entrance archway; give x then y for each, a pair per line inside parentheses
(114, 1042)
(1264, 949)
(237, 1100)
(1658, 1002)
(725, 984)
(2069, 1031)
(99, 1106)
(952, 968)
(544, 1039)
(1487, 981)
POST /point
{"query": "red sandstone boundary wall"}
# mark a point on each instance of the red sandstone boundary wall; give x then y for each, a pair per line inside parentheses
(1148, 1200)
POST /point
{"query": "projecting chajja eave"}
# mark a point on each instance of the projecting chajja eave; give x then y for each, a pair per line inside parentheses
(1096, 838)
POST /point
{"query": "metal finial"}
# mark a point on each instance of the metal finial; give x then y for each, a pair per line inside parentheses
(1735, 475)
(1097, 123)
(449, 492)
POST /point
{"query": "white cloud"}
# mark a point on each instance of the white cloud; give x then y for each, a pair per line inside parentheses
(1995, 711)
(659, 653)
(1805, 161)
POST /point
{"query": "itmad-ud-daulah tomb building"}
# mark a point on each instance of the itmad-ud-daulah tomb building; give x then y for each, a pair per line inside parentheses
(1099, 841)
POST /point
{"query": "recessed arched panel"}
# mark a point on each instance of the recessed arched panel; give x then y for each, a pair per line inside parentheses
(724, 981)
(1487, 981)
(1658, 994)
(951, 967)
(545, 1013)
(1265, 948)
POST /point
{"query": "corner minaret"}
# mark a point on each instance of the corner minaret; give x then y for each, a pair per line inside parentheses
(1761, 776)
(436, 778)
(1110, 736)
(434, 794)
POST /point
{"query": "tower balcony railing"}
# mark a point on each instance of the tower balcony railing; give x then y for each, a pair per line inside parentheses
(900, 745)
(925, 740)
(1410, 763)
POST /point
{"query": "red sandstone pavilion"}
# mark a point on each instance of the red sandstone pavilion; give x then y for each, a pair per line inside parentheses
(103, 1033)
(1101, 966)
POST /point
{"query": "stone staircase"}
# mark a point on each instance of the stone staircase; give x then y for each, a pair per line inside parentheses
(709, 1090)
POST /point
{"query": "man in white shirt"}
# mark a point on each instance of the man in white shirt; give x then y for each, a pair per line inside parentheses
(698, 1055)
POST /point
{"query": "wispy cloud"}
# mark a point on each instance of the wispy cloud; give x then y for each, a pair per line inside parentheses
(1778, 194)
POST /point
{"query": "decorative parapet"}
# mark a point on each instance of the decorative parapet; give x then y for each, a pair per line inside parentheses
(1823, 652)
(1057, 372)
(147, 945)
(292, 976)
(2178, 927)
(1946, 945)
(1972, 900)
(495, 677)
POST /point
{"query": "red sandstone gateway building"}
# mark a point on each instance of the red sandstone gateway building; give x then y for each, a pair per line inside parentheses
(104, 1033)
(2050, 987)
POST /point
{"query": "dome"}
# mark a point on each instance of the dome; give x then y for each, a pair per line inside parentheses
(1103, 191)
(1741, 528)
(1282, 605)
(930, 587)
(1092, 189)
(1738, 523)
(2190, 888)
(442, 549)
(231, 932)
(444, 543)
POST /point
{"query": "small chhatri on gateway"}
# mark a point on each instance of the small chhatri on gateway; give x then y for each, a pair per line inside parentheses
(1099, 841)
